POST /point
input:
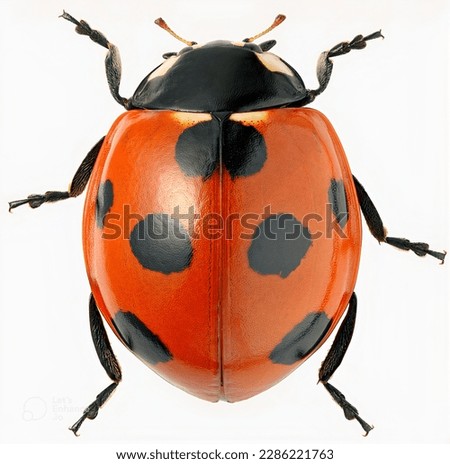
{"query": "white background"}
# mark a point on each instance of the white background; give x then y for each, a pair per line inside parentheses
(389, 104)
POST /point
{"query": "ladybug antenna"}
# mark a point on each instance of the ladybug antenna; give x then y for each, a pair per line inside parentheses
(277, 21)
(163, 25)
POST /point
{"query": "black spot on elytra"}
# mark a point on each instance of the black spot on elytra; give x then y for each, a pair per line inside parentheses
(197, 150)
(338, 200)
(140, 339)
(244, 150)
(161, 244)
(105, 198)
(279, 243)
(302, 339)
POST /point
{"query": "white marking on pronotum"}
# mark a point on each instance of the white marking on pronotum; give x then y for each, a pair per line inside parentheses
(163, 68)
(273, 63)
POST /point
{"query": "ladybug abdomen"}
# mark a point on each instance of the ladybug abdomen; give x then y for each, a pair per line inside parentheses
(222, 249)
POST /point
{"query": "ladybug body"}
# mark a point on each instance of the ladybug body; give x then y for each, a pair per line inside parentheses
(222, 228)
(223, 312)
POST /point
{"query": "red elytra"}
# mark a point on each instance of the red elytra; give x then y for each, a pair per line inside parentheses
(219, 318)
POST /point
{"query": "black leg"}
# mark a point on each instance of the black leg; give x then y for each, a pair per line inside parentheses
(334, 359)
(325, 65)
(108, 361)
(113, 64)
(378, 230)
(77, 186)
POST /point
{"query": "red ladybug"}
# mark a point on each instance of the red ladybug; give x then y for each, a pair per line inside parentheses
(222, 229)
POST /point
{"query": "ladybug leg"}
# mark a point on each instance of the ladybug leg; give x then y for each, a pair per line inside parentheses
(334, 359)
(378, 230)
(325, 65)
(77, 186)
(107, 359)
(113, 64)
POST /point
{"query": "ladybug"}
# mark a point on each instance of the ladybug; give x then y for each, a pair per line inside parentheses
(222, 225)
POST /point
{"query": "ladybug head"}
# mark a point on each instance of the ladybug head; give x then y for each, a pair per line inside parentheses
(221, 76)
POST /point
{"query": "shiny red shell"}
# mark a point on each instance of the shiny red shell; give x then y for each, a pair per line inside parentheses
(219, 318)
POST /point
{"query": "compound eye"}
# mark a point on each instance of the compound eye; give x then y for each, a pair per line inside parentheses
(254, 47)
(169, 54)
(184, 50)
(266, 46)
